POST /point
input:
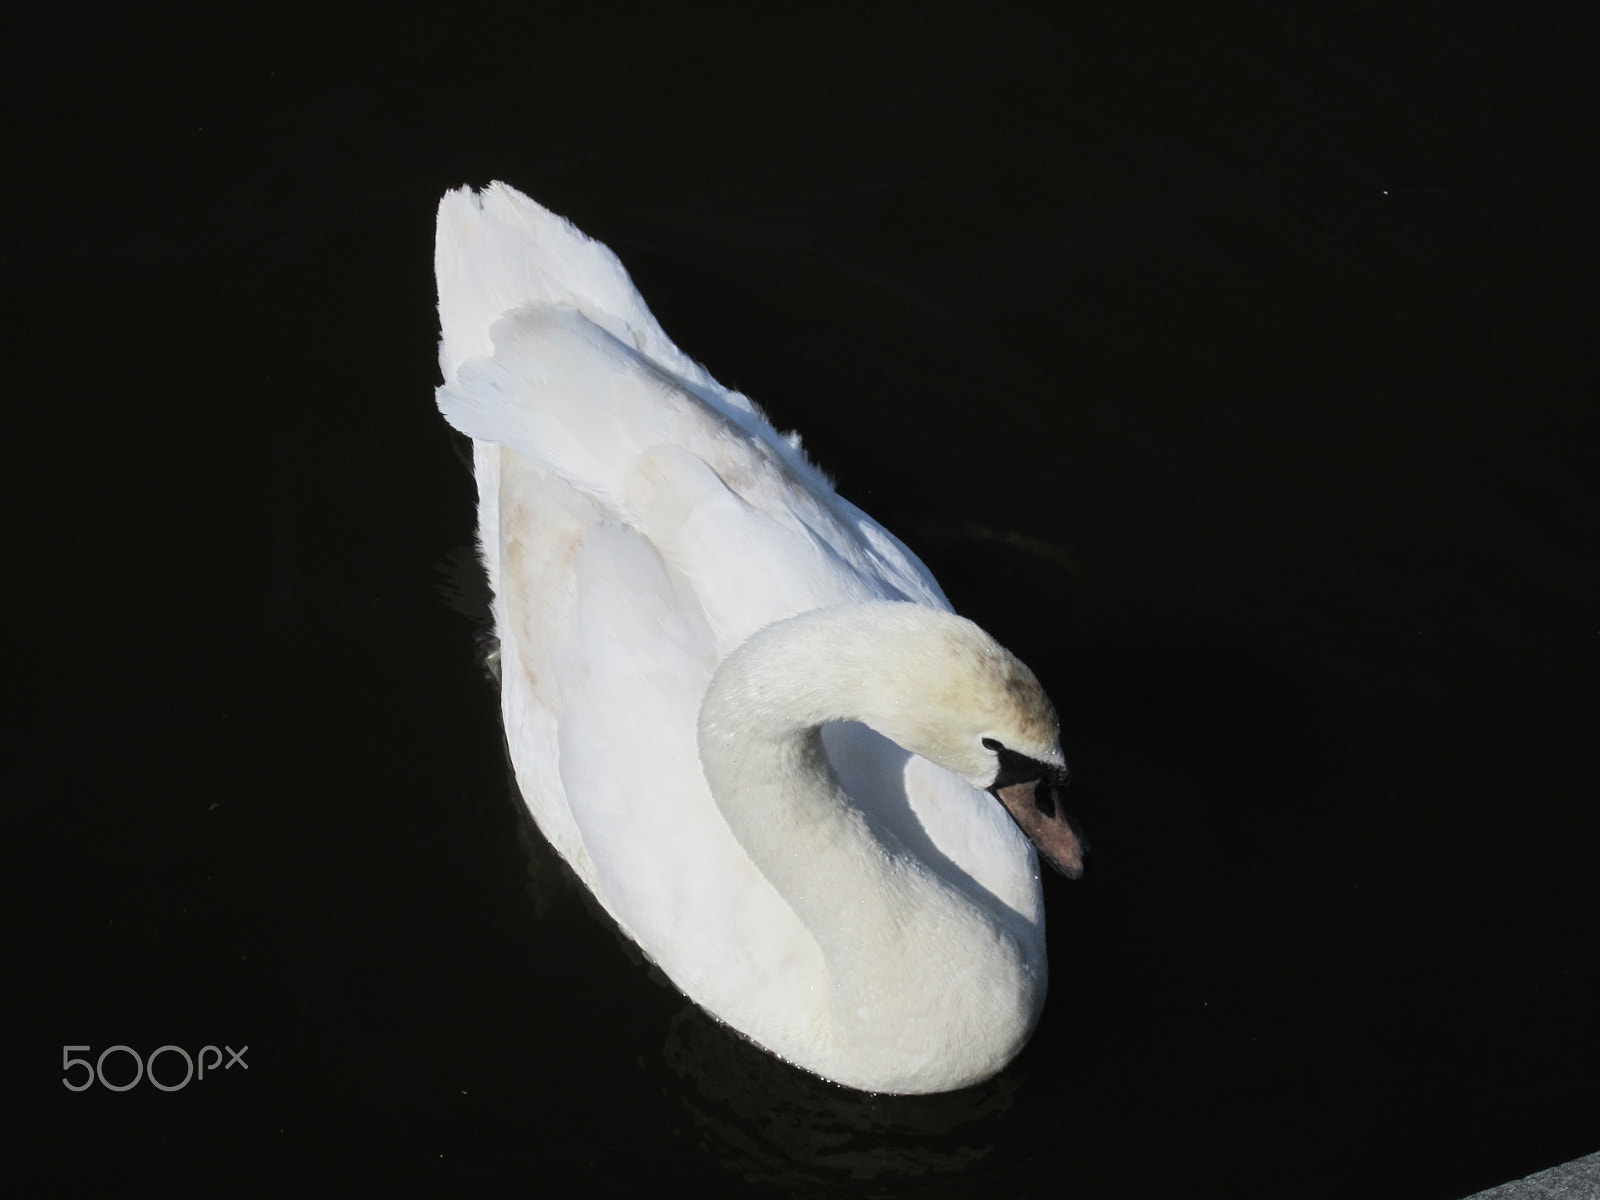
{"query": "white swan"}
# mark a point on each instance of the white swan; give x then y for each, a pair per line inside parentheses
(710, 663)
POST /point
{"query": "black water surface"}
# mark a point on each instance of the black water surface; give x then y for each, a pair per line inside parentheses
(1236, 369)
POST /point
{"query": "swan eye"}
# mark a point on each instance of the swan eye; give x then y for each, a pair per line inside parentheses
(992, 744)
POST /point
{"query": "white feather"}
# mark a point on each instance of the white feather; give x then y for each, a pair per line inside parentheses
(639, 522)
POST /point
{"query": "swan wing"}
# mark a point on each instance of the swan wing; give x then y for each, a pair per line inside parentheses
(752, 528)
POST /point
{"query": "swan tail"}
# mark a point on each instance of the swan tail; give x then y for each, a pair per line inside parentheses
(496, 251)
(499, 253)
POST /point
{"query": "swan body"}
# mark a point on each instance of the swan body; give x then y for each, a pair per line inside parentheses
(735, 704)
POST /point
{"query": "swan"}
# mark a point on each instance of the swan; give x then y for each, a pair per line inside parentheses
(740, 709)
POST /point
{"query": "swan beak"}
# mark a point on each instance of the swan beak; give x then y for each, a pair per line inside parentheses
(1034, 803)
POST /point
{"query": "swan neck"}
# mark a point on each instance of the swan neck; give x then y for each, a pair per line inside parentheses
(762, 752)
(908, 958)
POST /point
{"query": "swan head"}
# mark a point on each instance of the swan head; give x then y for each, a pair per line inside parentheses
(1031, 792)
(932, 682)
(954, 695)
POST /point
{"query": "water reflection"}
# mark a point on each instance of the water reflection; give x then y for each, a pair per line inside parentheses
(776, 1124)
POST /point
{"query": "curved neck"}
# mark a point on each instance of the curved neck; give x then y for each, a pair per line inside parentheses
(908, 957)
(761, 748)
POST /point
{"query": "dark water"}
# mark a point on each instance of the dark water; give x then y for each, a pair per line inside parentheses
(1237, 371)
